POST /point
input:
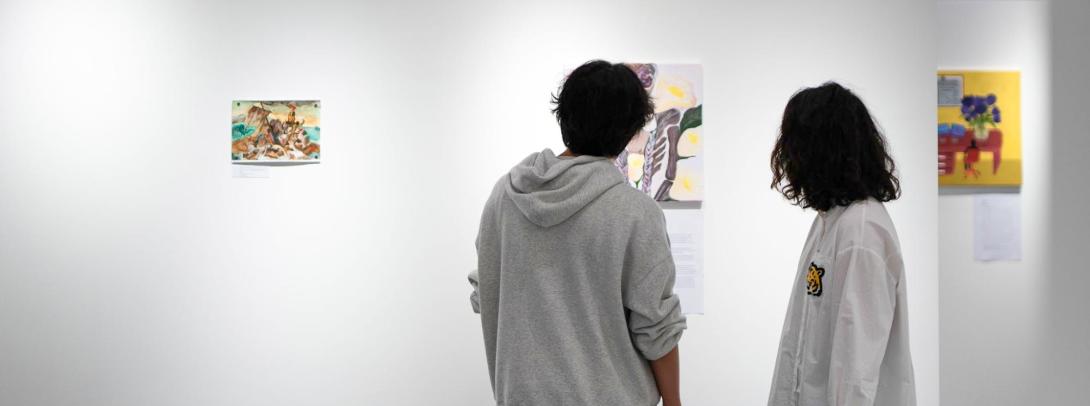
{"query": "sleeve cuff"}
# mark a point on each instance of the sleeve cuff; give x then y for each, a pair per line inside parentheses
(667, 344)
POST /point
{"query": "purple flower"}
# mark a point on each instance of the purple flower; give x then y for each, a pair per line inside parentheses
(980, 107)
(978, 110)
(645, 72)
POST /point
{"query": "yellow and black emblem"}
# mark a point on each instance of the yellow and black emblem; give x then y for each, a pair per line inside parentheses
(813, 280)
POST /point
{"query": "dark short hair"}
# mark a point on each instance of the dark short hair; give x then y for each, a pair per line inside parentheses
(600, 107)
(830, 152)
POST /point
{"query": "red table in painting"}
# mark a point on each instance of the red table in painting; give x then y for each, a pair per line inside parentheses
(949, 146)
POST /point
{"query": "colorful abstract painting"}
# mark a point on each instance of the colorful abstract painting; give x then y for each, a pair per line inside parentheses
(665, 159)
(979, 128)
(276, 130)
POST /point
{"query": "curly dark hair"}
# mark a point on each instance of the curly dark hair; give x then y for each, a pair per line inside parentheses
(600, 107)
(830, 152)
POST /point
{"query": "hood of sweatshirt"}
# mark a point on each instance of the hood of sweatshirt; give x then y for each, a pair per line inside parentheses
(548, 189)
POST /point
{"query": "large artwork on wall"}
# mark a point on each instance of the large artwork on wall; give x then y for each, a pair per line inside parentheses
(275, 130)
(979, 128)
(665, 160)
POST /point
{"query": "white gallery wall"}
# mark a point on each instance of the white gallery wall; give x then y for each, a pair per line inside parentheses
(1017, 333)
(1067, 302)
(992, 308)
(135, 270)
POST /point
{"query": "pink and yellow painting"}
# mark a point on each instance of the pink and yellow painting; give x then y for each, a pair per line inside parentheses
(275, 130)
(665, 160)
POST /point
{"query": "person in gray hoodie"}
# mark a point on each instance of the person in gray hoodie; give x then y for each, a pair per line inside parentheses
(574, 281)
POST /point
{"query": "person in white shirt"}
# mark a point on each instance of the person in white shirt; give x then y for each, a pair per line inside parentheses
(845, 337)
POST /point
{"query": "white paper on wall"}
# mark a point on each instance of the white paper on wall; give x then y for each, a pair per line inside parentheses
(997, 227)
(249, 171)
(686, 230)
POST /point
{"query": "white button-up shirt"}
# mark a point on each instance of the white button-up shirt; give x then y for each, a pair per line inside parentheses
(845, 338)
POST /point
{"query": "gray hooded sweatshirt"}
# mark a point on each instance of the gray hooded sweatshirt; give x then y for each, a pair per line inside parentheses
(574, 286)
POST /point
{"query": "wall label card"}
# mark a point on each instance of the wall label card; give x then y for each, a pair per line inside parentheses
(249, 171)
(686, 230)
(997, 227)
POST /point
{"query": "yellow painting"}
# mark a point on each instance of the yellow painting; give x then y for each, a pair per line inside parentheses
(979, 128)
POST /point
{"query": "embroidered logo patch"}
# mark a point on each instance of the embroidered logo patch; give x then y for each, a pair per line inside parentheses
(813, 280)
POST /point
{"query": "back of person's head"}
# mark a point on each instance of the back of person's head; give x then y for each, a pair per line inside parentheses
(600, 107)
(830, 152)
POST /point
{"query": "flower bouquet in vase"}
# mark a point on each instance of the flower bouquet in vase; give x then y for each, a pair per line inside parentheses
(983, 116)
